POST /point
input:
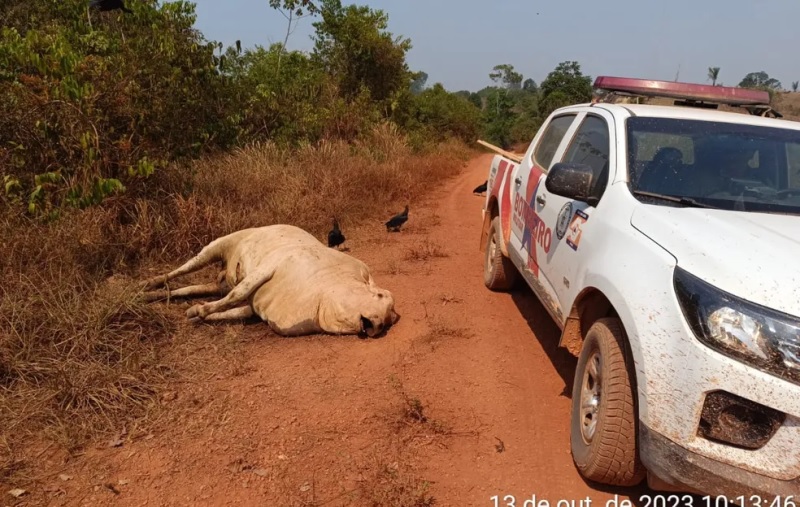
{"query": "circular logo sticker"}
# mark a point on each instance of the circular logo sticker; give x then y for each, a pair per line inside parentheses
(563, 220)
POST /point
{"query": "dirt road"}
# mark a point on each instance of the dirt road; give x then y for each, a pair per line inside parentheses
(467, 397)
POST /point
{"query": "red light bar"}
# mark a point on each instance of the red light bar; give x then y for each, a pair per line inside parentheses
(686, 91)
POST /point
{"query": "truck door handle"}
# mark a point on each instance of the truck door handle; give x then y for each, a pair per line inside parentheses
(518, 180)
(540, 199)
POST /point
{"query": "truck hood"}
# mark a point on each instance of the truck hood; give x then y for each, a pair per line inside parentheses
(755, 256)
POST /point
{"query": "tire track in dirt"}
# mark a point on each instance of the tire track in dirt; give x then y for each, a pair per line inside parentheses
(323, 420)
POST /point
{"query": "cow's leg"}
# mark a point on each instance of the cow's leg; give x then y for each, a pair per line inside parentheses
(237, 295)
(212, 252)
(208, 289)
(241, 312)
(218, 288)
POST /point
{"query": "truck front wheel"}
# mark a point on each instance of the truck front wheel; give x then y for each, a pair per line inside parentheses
(499, 273)
(603, 428)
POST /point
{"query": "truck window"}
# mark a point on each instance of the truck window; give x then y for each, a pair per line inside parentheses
(591, 146)
(733, 166)
(649, 143)
(551, 139)
(793, 159)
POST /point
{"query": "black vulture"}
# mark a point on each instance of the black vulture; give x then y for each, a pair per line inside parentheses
(398, 220)
(109, 5)
(481, 188)
(335, 236)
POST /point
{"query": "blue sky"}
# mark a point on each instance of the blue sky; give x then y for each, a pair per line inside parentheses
(457, 42)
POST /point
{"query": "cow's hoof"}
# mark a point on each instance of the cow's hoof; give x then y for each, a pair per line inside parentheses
(195, 320)
(152, 296)
(153, 283)
(195, 313)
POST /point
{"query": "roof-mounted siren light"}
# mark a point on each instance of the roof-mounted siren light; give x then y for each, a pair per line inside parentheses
(755, 101)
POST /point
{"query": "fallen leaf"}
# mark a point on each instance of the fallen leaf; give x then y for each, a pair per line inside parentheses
(116, 443)
(123, 482)
(305, 487)
(16, 493)
(261, 472)
(65, 477)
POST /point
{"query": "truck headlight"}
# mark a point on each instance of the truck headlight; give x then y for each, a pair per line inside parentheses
(753, 334)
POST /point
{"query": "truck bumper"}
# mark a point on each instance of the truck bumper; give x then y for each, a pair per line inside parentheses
(686, 471)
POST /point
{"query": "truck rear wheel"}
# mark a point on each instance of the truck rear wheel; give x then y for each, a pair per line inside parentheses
(499, 273)
(603, 426)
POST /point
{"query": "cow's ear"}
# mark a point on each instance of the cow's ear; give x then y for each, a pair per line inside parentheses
(366, 275)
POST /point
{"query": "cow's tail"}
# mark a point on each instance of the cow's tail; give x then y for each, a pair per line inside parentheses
(213, 252)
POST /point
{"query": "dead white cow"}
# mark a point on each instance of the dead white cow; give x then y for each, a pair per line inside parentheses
(287, 278)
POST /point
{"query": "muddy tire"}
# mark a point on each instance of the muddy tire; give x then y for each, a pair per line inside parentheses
(499, 273)
(604, 420)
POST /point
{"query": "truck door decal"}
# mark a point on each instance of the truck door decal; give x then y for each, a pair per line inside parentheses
(575, 232)
(496, 176)
(535, 231)
(505, 204)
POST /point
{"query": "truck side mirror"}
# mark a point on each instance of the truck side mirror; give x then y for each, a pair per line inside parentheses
(571, 180)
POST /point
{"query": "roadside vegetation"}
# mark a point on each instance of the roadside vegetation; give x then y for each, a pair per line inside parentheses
(128, 141)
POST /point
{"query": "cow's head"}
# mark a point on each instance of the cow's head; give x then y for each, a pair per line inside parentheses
(377, 312)
(365, 309)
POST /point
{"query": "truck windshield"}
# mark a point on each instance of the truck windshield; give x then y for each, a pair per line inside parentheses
(714, 164)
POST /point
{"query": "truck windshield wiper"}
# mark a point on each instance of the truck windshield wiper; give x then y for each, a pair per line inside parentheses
(686, 201)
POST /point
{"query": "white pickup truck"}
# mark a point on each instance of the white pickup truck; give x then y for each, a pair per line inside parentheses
(664, 241)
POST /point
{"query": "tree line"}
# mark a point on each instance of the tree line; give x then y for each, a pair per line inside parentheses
(757, 80)
(95, 103)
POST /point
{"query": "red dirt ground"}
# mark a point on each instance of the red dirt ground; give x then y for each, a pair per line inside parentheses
(467, 395)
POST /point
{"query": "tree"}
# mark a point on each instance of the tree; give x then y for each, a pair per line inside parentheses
(506, 76)
(298, 7)
(293, 11)
(499, 115)
(418, 82)
(760, 80)
(527, 120)
(93, 110)
(713, 75)
(499, 119)
(794, 85)
(353, 46)
(472, 97)
(288, 106)
(566, 84)
(530, 86)
(440, 113)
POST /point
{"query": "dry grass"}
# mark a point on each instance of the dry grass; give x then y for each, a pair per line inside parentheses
(79, 356)
(788, 104)
(440, 331)
(394, 484)
(394, 267)
(425, 250)
(389, 478)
